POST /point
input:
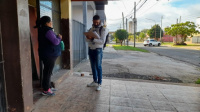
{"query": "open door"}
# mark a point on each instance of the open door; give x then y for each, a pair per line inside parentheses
(34, 40)
(3, 105)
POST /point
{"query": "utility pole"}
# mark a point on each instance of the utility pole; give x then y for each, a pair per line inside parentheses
(155, 31)
(176, 31)
(123, 24)
(161, 28)
(123, 19)
(134, 22)
(127, 29)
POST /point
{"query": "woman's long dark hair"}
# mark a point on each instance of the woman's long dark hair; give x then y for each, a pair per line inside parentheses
(42, 21)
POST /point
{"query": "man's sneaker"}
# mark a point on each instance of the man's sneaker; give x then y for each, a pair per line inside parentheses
(93, 84)
(99, 87)
(53, 89)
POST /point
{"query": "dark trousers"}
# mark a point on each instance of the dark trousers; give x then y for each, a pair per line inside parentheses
(48, 63)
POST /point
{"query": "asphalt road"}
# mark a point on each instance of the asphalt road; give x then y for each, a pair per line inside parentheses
(185, 55)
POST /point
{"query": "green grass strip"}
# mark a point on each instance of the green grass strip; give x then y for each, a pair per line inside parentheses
(188, 45)
(198, 81)
(119, 47)
(167, 43)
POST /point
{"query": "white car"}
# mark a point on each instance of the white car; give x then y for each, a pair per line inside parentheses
(151, 42)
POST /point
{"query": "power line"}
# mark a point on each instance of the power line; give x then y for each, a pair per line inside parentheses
(149, 8)
(134, 7)
(142, 5)
(124, 5)
(138, 8)
(130, 14)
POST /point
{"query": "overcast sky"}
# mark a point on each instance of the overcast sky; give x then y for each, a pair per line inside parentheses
(151, 12)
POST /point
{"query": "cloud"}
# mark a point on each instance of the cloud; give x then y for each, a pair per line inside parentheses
(153, 9)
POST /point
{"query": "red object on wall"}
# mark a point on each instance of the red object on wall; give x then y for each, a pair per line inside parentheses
(167, 38)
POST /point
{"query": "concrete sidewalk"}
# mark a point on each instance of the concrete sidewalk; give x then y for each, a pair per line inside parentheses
(120, 96)
(125, 95)
(118, 63)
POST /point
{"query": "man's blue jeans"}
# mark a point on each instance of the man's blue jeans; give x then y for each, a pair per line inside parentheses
(96, 62)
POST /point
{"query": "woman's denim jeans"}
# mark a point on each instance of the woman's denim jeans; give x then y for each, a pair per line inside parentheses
(96, 62)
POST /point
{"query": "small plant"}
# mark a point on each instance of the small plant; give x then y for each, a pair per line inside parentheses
(79, 70)
(198, 81)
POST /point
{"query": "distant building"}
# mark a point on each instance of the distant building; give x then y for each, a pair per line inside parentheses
(167, 38)
(196, 37)
(130, 27)
(198, 23)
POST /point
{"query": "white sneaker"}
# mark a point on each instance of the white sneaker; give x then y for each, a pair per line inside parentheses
(93, 84)
(99, 87)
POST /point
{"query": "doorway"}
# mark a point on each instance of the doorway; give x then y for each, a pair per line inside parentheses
(2, 78)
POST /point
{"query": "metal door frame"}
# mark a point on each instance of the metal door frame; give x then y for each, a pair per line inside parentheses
(3, 98)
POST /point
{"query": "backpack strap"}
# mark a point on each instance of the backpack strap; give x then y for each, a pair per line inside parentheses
(100, 30)
(104, 45)
(89, 29)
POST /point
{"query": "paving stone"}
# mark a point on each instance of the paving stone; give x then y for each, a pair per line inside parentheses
(117, 82)
(118, 87)
(100, 108)
(164, 106)
(181, 107)
(134, 89)
(194, 107)
(175, 98)
(104, 93)
(119, 101)
(142, 110)
(139, 103)
(156, 97)
(101, 100)
(141, 96)
(151, 91)
(120, 109)
(123, 94)
(74, 107)
(165, 111)
(119, 96)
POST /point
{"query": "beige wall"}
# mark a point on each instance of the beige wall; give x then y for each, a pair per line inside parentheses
(77, 13)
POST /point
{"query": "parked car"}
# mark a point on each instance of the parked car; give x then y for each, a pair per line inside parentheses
(151, 42)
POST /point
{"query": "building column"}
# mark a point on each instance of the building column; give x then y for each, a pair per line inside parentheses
(17, 54)
(85, 23)
(66, 31)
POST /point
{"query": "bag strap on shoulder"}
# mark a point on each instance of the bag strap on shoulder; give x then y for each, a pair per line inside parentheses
(100, 30)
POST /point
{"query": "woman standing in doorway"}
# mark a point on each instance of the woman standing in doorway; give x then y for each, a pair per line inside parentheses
(49, 50)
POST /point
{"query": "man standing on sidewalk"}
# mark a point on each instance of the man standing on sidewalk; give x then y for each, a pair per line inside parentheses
(96, 51)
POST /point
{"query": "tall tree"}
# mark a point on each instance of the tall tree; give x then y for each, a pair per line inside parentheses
(154, 32)
(142, 36)
(121, 35)
(182, 29)
(130, 36)
(137, 33)
(145, 30)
